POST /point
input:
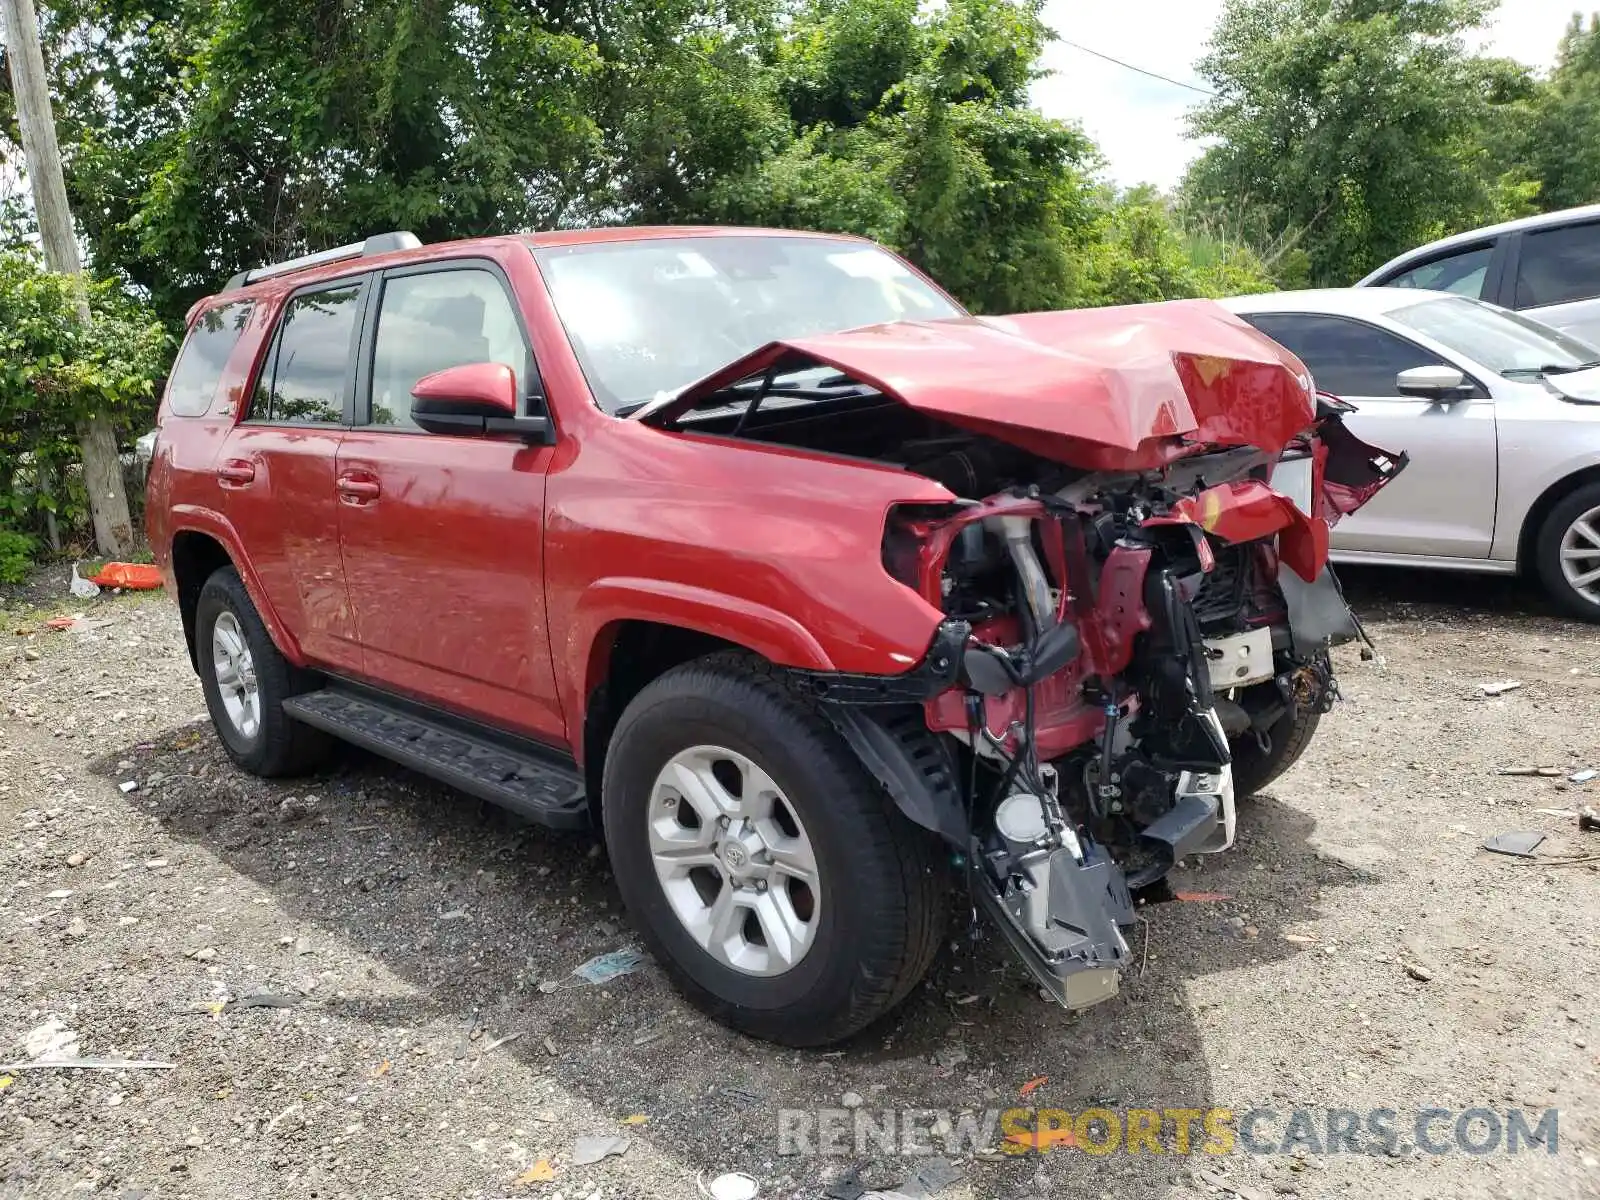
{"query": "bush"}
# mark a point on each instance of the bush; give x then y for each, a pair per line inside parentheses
(16, 555)
(54, 373)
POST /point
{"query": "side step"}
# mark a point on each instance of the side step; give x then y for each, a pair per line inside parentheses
(539, 788)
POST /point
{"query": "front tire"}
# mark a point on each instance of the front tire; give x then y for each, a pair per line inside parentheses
(246, 680)
(1567, 553)
(765, 868)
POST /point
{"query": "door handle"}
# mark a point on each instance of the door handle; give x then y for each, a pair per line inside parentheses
(358, 487)
(236, 472)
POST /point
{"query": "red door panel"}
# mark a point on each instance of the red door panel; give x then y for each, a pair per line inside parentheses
(443, 557)
(277, 486)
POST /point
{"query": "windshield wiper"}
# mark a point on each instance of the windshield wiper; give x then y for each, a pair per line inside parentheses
(1548, 369)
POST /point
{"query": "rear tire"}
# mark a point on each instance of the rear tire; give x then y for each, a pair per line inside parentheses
(1254, 769)
(726, 735)
(1567, 553)
(246, 680)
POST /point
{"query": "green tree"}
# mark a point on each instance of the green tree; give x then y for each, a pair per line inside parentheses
(911, 126)
(1563, 134)
(1358, 127)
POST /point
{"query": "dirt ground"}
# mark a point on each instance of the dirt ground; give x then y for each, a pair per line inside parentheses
(345, 972)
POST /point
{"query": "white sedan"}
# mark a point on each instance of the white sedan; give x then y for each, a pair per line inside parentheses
(1500, 415)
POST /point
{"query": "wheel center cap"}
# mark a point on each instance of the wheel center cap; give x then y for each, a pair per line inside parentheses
(735, 857)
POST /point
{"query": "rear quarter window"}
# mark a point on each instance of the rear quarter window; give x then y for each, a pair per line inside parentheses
(204, 356)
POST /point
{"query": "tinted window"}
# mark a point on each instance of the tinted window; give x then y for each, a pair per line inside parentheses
(430, 322)
(204, 356)
(1461, 273)
(309, 369)
(1559, 265)
(1346, 357)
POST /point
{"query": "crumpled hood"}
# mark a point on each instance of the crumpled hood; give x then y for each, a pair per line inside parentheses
(1103, 389)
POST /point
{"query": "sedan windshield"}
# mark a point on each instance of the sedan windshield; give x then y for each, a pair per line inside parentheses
(1505, 343)
(647, 318)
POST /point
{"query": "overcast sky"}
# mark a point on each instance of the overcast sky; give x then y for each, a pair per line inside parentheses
(1139, 122)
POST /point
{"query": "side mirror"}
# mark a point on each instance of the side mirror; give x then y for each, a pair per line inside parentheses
(1442, 384)
(476, 398)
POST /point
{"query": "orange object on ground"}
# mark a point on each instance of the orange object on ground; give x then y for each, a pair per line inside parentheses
(138, 577)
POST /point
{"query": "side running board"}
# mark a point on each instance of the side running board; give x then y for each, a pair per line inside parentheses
(540, 788)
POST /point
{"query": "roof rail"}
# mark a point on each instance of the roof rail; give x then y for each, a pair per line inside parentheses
(378, 243)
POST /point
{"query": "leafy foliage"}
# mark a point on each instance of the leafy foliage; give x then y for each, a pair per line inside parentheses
(1359, 125)
(1561, 137)
(1143, 254)
(16, 555)
(54, 372)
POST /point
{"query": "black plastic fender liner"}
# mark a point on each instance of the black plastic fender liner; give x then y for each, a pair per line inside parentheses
(1319, 616)
(911, 762)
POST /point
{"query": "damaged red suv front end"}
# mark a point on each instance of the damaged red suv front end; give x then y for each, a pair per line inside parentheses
(1131, 580)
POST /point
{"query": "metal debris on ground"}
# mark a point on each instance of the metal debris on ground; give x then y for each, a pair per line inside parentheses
(500, 1041)
(74, 1063)
(1531, 772)
(1584, 776)
(604, 968)
(590, 1150)
(267, 1000)
(931, 1176)
(1518, 845)
(735, 1185)
(1499, 688)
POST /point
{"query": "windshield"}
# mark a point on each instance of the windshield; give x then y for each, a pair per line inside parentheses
(1505, 343)
(648, 318)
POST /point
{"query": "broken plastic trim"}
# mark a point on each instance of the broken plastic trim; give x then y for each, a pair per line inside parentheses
(939, 670)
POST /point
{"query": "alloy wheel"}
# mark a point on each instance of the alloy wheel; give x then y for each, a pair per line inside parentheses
(1580, 555)
(236, 675)
(734, 861)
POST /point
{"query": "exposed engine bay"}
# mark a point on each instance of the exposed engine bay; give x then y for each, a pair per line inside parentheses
(1108, 639)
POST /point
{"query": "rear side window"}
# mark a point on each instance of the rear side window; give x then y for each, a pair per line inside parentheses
(1558, 266)
(1345, 357)
(204, 357)
(1461, 273)
(308, 371)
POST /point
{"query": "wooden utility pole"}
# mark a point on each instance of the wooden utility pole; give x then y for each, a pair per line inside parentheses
(102, 469)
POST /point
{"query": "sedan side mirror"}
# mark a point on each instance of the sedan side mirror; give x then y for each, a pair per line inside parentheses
(1440, 383)
(476, 398)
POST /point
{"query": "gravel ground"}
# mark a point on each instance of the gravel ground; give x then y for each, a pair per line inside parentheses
(346, 971)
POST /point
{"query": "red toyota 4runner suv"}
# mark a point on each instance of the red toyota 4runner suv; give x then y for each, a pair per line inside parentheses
(821, 598)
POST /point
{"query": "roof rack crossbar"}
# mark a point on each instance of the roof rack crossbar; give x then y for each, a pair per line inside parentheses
(378, 243)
